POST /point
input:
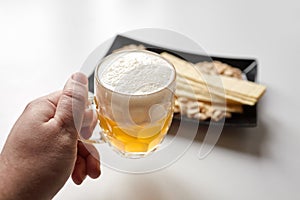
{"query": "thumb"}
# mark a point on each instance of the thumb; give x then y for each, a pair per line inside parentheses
(72, 103)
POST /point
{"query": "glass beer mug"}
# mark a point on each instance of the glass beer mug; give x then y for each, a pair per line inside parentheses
(134, 98)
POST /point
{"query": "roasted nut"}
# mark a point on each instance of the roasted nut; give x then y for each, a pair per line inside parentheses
(200, 116)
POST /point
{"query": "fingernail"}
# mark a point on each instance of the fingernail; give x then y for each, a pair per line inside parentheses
(77, 181)
(80, 77)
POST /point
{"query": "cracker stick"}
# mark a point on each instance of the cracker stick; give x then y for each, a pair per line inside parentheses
(210, 94)
(233, 87)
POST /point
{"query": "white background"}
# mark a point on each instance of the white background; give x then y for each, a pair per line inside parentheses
(43, 42)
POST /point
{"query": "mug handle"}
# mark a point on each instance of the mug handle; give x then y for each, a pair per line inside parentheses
(96, 137)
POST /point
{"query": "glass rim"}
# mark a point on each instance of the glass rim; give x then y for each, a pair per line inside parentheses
(98, 81)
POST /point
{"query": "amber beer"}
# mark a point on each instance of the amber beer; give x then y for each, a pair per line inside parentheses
(134, 94)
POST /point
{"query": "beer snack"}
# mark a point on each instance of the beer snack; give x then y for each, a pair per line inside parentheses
(131, 47)
(236, 90)
(192, 89)
(204, 110)
(218, 68)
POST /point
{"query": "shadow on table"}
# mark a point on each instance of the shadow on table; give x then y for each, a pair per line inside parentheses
(150, 187)
(245, 140)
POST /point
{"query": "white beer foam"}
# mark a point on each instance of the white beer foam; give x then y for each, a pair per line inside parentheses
(137, 73)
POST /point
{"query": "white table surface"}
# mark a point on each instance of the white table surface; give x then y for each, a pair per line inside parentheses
(43, 42)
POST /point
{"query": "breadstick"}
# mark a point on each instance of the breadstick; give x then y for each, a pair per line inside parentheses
(234, 88)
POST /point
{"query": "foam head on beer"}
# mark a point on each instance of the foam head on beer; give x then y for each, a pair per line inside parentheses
(137, 73)
(135, 94)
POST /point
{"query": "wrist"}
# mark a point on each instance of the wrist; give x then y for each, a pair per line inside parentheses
(5, 185)
(18, 183)
(11, 184)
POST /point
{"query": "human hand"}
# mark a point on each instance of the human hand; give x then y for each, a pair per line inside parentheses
(43, 150)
